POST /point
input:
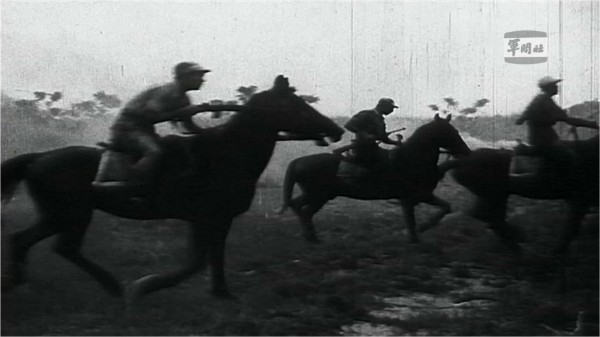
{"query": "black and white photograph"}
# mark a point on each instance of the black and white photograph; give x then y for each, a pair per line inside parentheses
(300, 168)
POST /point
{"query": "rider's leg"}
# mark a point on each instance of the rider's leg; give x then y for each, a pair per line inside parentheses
(559, 160)
(144, 171)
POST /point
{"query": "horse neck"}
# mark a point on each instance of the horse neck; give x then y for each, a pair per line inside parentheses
(249, 143)
(422, 148)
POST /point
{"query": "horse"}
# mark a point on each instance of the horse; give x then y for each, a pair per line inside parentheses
(235, 153)
(411, 177)
(486, 173)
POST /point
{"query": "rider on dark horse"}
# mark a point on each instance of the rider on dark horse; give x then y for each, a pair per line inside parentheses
(369, 127)
(541, 114)
(133, 131)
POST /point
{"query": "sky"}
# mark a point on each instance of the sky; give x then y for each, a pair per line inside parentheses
(348, 53)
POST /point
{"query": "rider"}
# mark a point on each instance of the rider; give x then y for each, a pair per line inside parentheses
(541, 114)
(369, 127)
(133, 130)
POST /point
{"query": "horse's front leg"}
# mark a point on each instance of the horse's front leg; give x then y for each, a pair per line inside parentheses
(408, 208)
(198, 244)
(437, 217)
(216, 256)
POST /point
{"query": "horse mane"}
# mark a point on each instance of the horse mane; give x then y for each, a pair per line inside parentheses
(416, 147)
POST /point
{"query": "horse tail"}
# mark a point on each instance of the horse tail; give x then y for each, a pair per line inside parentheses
(288, 186)
(13, 172)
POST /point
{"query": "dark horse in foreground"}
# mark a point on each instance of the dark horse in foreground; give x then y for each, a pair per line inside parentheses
(411, 177)
(486, 174)
(236, 154)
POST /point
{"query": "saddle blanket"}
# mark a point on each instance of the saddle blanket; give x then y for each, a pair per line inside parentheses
(114, 166)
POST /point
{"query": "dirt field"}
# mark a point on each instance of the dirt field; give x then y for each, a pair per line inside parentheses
(288, 287)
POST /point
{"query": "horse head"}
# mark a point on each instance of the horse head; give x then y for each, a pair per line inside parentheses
(279, 109)
(443, 135)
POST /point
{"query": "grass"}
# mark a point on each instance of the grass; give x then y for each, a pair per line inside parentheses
(288, 287)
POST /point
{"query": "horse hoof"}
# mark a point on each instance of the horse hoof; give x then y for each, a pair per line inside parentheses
(223, 294)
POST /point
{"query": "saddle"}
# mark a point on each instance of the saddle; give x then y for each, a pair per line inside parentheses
(115, 165)
(116, 172)
(352, 169)
(525, 160)
(532, 161)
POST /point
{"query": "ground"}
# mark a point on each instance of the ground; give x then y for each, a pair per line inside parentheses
(363, 278)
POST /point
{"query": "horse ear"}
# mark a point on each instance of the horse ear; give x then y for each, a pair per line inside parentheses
(437, 117)
(281, 82)
(449, 117)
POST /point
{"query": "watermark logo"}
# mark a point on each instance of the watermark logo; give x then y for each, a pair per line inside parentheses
(526, 47)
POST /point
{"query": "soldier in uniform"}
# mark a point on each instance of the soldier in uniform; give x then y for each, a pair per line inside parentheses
(541, 115)
(369, 127)
(133, 130)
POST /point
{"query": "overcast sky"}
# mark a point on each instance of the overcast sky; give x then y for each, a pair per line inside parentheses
(348, 53)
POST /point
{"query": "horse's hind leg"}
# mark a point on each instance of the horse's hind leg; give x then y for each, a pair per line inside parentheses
(68, 246)
(301, 208)
(306, 206)
(20, 243)
(309, 211)
(575, 215)
(199, 243)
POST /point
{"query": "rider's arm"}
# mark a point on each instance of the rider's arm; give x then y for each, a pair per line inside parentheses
(521, 119)
(185, 113)
(382, 135)
(537, 110)
(580, 122)
(526, 115)
(562, 116)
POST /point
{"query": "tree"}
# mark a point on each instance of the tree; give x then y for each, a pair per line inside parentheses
(451, 102)
(27, 104)
(452, 106)
(88, 107)
(56, 96)
(481, 103)
(39, 95)
(106, 102)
